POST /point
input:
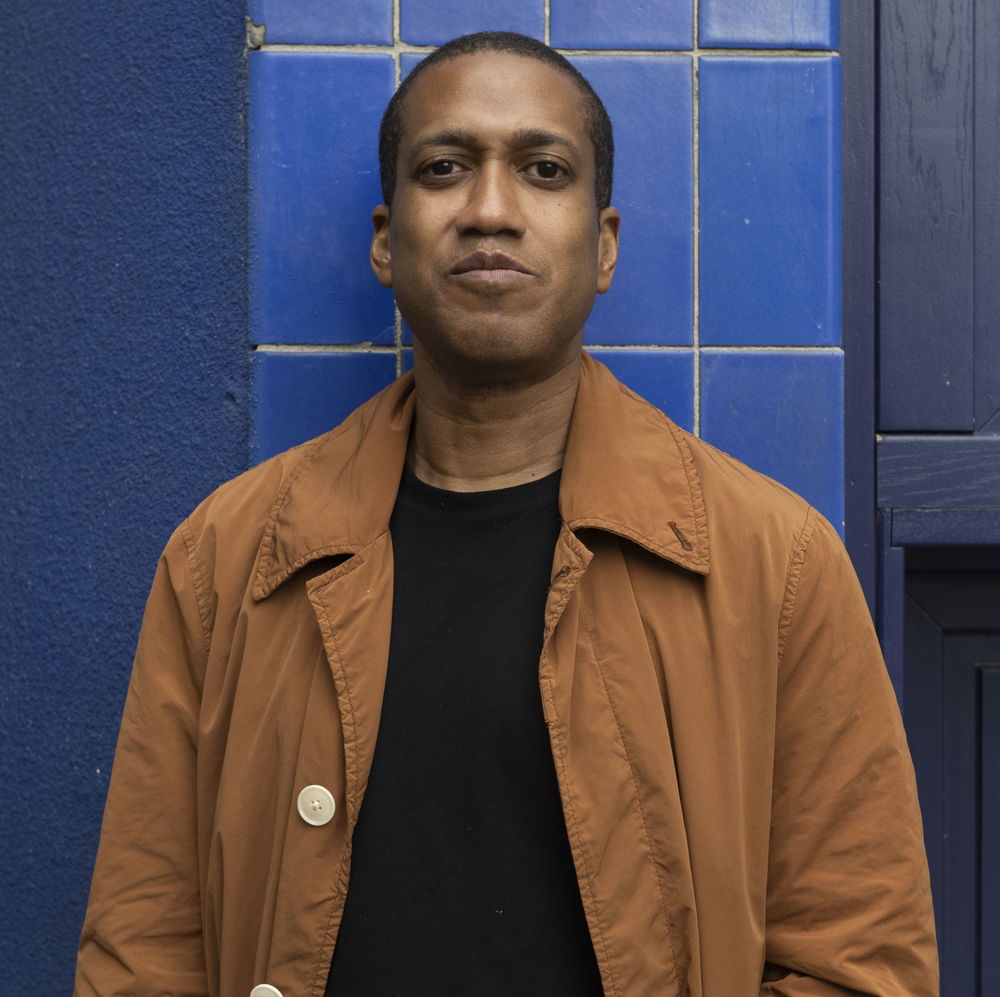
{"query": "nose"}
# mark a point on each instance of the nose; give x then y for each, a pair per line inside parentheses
(494, 205)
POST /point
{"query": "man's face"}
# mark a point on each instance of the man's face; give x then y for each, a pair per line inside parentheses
(493, 244)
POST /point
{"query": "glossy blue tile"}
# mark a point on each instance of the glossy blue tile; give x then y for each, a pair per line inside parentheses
(655, 24)
(407, 61)
(312, 22)
(299, 395)
(781, 412)
(770, 201)
(768, 24)
(314, 179)
(649, 100)
(663, 377)
(432, 22)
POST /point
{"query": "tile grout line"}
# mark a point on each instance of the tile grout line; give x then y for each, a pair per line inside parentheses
(397, 66)
(695, 223)
(404, 47)
(354, 348)
(771, 348)
(367, 346)
(547, 21)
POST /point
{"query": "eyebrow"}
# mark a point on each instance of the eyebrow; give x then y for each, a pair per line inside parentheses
(521, 139)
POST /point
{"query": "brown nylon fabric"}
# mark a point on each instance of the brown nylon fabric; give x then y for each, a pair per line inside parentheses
(733, 770)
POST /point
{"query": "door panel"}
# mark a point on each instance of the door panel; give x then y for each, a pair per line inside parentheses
(939, 228)
(952, 682)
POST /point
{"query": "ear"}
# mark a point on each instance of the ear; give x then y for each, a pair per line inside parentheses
(381, 255)
(608, 225)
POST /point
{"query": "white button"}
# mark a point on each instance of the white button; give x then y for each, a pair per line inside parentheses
(316, 806)
(264, 990)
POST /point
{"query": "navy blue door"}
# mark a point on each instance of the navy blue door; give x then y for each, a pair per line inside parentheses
(922, 274)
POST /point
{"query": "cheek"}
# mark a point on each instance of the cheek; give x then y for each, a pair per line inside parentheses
(416, 241)
(583, 254)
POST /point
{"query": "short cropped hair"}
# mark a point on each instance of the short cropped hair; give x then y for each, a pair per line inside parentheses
(597, 123)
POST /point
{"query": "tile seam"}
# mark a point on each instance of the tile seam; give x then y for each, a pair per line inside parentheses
(695, 221)
(367, 346)
(638, 347)
(397, 65)
(398, 48)
(777, 348)
(362, 347)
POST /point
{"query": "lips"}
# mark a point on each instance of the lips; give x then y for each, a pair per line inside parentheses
(489, 262)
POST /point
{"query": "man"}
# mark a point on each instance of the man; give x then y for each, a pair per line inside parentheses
(506, 684)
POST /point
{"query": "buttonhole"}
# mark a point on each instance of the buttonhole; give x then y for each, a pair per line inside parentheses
(685, 543)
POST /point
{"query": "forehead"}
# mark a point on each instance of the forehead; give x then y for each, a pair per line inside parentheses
(494, 90)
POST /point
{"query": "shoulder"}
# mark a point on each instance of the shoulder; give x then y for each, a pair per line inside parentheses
(625, 433)
(756, 521)
(310, 474)
(635, 466)
(753, 519)
(735, 491)
(242, 506)
(327, 497)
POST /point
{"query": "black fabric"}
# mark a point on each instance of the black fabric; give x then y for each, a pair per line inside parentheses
(462, 880)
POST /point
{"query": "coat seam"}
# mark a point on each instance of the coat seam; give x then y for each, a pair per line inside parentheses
(265, 574)
(200, 585)
(682, 987)
(559, 760)
(793, 573)
(695, 495)
(327, 947)
(328, 631)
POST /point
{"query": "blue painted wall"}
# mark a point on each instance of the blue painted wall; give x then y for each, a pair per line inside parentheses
(124, 367)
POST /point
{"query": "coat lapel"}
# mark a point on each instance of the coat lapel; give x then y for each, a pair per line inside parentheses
(353, 606)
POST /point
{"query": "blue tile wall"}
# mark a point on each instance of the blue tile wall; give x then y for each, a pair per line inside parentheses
(311, 22)
(725, 310)
(431, 22)
(783, 413)
(297, 396)
(597, 24)
(650, 302)
(769, 201)
(663, 377)
(800, 24)
(650, 299)
(314, 180)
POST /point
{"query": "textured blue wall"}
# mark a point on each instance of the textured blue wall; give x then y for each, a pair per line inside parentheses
(124, 368)
(726, 305)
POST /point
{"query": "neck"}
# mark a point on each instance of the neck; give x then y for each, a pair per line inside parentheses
(493, 435)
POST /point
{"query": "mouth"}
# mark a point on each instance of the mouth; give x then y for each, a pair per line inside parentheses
(490, 266)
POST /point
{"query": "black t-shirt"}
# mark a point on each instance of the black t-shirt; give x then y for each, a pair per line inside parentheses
(462, 879)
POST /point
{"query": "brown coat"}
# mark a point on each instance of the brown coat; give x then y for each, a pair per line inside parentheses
(734, 776)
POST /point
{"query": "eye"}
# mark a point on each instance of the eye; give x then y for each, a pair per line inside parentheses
(442, 167)
(548, 170)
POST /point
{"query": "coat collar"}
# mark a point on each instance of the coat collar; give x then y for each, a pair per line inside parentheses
(628, 470)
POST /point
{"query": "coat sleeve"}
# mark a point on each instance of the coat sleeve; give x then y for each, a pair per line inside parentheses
(848, 898)
(142, 934)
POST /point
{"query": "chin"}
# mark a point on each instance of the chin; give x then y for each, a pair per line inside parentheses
(487, 360)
